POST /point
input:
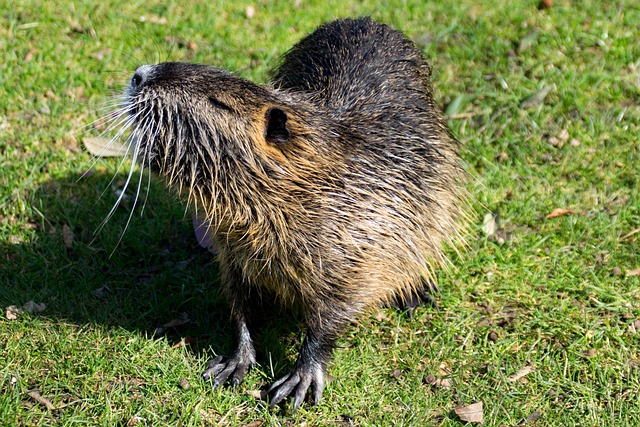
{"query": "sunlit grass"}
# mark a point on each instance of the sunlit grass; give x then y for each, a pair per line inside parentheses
(553, 296)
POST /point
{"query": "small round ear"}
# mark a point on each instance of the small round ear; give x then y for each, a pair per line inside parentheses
(276, 126)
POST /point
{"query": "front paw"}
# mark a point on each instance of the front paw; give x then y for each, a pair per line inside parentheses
(222, 368)
(301, 377)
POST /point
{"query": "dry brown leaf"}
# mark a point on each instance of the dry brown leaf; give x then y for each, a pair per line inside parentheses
(153, 19)
(12, 312)
(51, 95)
(443, 383)
(183, 319)
(536, 98)
(437, 382)
(134, 420)
(562, 138)
(490, 223)
(186, 341)
(35, 395)
(16, 239)
(534, 416)
(99, 55)
(381, 316)
(521, 373)
(555, 142)
(471, 413)
(561, 212)
(29, 56)
(181, 42)
(635, 272)
(429, 379)
(444, 369)
(104, 147)
(258, 394)
(67, 236)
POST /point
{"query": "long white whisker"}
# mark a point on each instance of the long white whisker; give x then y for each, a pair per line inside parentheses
(131, 141)
(114, 110)
(127, 124)
(122, 192)
(146, 194)
(124, 126)
(151, 146)
(135, 203)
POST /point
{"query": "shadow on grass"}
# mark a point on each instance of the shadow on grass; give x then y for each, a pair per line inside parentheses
(137, 274)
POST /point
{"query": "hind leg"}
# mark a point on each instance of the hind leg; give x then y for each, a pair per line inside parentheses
(236, 366)
(421, 295)
(308, 372)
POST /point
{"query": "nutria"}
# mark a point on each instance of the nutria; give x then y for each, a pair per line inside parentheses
(335, 188)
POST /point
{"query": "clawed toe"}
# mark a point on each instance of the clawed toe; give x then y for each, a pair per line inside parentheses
(298, 381)
(221, 368)
(214, 367)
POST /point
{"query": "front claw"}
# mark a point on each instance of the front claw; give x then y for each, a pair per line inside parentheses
(299, 379)
(221, 368)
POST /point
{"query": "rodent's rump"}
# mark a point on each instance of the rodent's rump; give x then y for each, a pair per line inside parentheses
(335, 188)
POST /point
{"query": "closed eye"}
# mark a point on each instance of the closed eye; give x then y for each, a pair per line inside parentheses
(219, 104)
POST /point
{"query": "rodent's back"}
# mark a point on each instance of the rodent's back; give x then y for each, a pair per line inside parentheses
(356, 65)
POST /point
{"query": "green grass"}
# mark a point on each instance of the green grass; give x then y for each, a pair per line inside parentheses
(548, 293)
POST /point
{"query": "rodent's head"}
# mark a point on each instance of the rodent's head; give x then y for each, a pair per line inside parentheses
(174, 104)
(220, 136)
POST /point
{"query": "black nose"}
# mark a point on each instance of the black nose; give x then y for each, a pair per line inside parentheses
(140, 76)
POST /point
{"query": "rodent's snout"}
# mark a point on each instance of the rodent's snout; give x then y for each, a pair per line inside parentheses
(140, 76)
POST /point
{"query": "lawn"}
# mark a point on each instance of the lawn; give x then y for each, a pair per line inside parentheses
(539, 320)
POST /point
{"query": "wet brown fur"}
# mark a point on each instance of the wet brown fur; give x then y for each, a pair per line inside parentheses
(344, 205)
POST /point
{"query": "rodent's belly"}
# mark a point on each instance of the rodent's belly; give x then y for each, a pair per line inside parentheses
(282, 279)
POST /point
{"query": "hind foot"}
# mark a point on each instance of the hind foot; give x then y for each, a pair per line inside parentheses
(221, 369)
(302, 377)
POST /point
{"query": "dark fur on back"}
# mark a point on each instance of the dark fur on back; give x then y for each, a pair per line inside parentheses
(335, 188)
